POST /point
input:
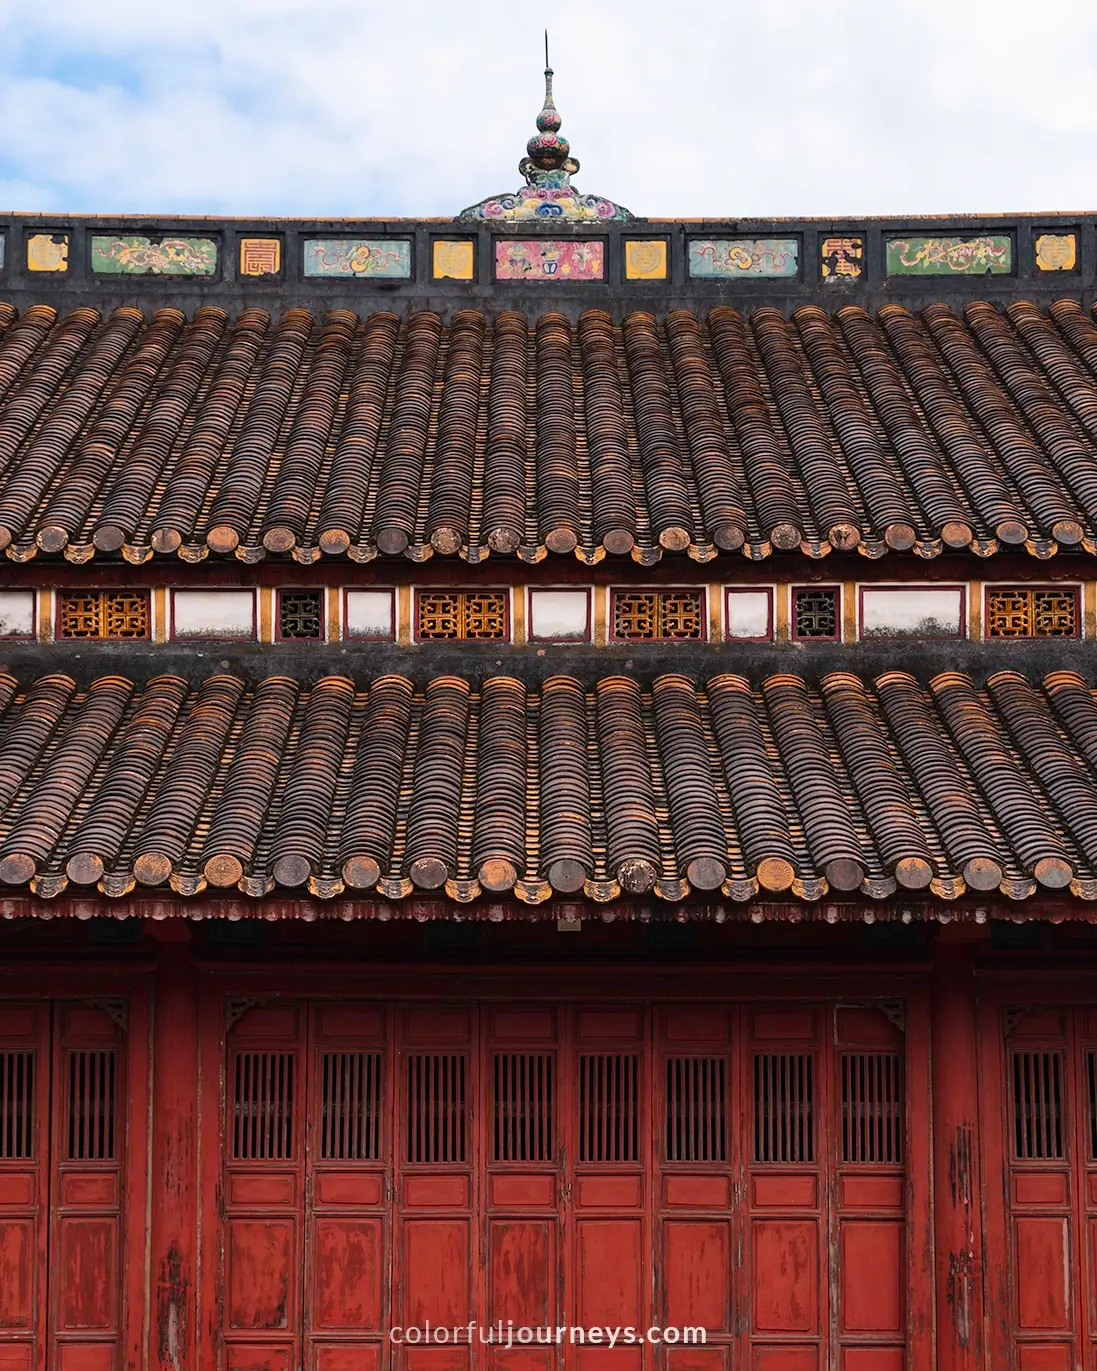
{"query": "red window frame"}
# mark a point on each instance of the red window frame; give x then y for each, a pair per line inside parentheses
(58, 598)
(505, 591)
(300, 590)
(912, 637)
(32, 636)
(369, 637)
(797, 591)
(1079, 611)
(215, 637)
(657, 590)
(729, 591)
(551, 637)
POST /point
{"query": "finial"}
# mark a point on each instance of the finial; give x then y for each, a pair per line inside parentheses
(546, 149)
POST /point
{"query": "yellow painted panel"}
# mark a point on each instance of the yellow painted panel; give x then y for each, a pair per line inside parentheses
(48, 252)
(1057, 251)
(455, 260)
(260, 256)
(645, 259)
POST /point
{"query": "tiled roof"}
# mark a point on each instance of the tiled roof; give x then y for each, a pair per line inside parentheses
(311, 436)
(729, 789)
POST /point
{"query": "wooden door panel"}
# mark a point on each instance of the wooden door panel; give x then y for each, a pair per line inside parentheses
(95, 1356)
(609, 1272)
(522, 1271)
(88, 1256)
(93, 1095)
(696, 1261)
(349, 1268)
(436, 1270)
(261, 1259)
(345, 1357)
(872, 1277)
(785, 1275)
(18, 1276)
(1042, 1270)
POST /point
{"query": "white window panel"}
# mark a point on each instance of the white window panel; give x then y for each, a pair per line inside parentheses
(912, 612)
(16, 613)
(370, 614)
(559, 614)
(213, 613)
(749, 614)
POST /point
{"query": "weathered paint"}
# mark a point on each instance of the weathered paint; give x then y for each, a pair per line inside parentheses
(955, 1153)
(549, 259)
(132, 255)
(765, 257)
(356, 257)
(989, 254)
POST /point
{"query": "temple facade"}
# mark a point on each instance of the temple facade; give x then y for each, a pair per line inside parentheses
(547, 784)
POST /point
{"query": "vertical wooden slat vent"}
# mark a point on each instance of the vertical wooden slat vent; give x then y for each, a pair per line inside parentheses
(696, 1109)
(263, 1106)
(92, 1098)
(16, 1105)
(1037, 1106)
(437, 1130)
(872, 1108)
(609, 1112)
(784, 1107)
(350, 1124)
(523, 1106)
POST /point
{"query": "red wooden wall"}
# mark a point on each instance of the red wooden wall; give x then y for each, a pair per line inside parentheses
(258, 1171)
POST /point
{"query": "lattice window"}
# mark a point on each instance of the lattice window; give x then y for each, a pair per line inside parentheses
(16, 1106)
(301, 615)
(93, 1081)
(523, 1106)
(462, 615)
(103, 614)
(648, 615)
(350, 1108)
(815, 613)
(696, 1105)
(609, 1113)
(263, 1106)
(1018, 612)
(437, 1128)
(872, 1108)
(784, 1107)
(1037, 1106)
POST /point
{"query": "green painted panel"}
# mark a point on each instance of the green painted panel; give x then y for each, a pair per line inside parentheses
(131, 256)
(983, 256)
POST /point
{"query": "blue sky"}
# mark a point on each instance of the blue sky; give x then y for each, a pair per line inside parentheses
(357, 107)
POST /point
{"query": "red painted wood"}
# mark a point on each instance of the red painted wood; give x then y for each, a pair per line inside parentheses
(554, 1198)
(956, 1152)
(173, 1229)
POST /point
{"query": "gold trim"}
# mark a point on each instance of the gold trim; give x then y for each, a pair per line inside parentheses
(782, 611)
(1089, 609)
(975, 610)
(46, 608)
(518, 632)
(715, 593)
(266, 614)
(404, 603)
(160, 623)
(849, 607)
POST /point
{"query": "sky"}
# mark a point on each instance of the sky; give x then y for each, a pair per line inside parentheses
(419, 107)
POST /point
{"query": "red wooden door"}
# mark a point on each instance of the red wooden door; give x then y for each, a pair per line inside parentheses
(722, 1185)
(63, 1145)
(1040, 1150)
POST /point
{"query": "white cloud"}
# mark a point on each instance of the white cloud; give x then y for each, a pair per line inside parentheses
(364, 107)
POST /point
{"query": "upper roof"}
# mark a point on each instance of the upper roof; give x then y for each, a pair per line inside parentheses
(705, 431)
(735, 790)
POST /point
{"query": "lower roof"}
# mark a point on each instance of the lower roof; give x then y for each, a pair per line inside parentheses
(729, 789)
